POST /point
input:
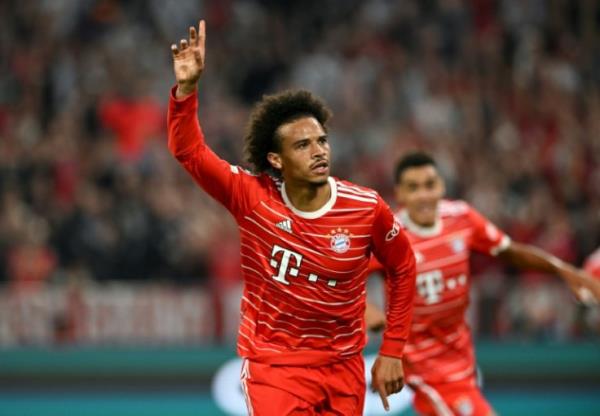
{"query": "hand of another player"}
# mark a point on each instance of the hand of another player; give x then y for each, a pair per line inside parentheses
(585, 287)
(374, 318)
(387, 377)
(188, 60)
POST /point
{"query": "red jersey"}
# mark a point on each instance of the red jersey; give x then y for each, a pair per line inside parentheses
(592, 264)
(304, 272)
(439, 347)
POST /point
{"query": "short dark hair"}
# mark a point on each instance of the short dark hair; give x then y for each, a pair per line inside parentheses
(269, 114)
(412, 160)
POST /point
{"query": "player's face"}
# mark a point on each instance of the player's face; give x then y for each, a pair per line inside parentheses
(419, 190)
(304, 155)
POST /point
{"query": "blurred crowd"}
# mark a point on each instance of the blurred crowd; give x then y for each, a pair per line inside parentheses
(504, 93)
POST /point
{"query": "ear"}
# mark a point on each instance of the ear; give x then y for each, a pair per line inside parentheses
(398, 194)
(443, 185)
(275, 160)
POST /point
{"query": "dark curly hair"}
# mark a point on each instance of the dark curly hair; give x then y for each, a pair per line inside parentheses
(270, 113)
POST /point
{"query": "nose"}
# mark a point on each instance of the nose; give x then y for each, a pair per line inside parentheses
(423, 193)
(317, 149)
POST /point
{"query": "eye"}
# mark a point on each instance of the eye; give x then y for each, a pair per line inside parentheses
(322, 140)
(301, 144)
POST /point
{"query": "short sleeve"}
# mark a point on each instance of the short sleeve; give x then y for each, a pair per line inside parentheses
(486, 237)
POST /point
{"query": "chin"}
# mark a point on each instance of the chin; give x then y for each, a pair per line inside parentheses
(424, 221)
(320, 181)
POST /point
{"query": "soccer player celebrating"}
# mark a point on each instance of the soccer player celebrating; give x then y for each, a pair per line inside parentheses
(306, 241)
(439, 361)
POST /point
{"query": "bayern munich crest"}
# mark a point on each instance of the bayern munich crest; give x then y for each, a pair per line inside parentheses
(340, 240)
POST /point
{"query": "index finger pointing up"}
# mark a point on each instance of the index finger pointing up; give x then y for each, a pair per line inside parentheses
(201, 31)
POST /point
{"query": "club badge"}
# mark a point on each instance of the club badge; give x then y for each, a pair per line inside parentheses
(340, 240)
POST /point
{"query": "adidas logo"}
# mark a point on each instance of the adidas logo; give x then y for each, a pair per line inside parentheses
(285, 225)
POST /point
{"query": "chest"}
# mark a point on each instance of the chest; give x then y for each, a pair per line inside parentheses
(326, 250)
(442, 265)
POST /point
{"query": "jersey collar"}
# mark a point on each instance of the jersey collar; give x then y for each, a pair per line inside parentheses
(312, 214)
(419, 230)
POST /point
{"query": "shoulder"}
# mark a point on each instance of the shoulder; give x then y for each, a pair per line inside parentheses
(454, 208)
(257, 185)
(356, 194)
(261, 179)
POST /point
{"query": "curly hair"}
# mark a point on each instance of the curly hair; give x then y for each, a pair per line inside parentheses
(269, 114)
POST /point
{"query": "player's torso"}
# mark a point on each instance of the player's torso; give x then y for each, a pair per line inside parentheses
(443, 278)
(439, 346)
(305, 274)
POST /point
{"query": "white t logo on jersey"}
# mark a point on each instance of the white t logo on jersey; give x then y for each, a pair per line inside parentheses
(430, 285)
(284, 264)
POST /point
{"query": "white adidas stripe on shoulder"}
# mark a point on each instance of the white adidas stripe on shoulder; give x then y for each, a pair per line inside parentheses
(356, 190)
(356, 197)
(237, 169)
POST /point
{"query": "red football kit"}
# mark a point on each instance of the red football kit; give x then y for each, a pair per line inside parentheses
(439, 361)
(304, 273)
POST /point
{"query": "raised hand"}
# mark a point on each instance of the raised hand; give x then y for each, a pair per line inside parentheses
(188, 60)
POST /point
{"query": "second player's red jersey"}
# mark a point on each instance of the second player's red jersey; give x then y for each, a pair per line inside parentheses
(304, 272)
(440, 347)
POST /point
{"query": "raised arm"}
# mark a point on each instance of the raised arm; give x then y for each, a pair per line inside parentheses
(230, 185)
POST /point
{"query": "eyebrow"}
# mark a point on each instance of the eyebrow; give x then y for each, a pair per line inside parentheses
(323, 136)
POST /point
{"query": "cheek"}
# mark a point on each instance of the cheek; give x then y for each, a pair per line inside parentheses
(295, 161)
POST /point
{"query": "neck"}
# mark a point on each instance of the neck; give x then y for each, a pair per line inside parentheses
(423, 230)
(309, 197)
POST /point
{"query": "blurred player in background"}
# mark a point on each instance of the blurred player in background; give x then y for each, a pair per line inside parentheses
(439, 362)
(306, 240)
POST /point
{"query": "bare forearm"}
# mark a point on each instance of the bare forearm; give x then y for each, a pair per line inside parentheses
(528, 257)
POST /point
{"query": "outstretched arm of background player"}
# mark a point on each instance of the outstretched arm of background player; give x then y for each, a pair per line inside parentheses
(525, 256)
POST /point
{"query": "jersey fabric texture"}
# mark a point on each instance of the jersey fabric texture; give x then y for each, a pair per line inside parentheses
(304, 272)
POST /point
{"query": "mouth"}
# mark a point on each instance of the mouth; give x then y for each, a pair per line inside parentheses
(426, 210)
(321, 167)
